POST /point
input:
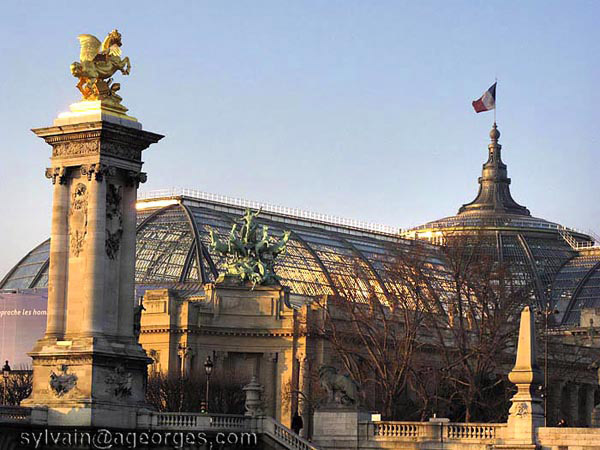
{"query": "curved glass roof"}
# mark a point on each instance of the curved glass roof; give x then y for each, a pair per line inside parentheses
(577, 286)
(174, 246)
(31, 271)
(173, 249)
(324, 258)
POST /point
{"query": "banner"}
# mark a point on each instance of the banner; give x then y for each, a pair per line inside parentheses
(22, 323)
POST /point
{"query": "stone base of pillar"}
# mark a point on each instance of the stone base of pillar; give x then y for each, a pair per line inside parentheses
(338, 427)
(89, 381)
(596, 417)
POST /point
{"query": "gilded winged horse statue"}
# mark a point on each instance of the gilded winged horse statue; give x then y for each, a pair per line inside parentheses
(99, 62)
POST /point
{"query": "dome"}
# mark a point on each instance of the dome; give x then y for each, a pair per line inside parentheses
(535, 249)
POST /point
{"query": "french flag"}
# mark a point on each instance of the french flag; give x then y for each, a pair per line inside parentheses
(487, 101)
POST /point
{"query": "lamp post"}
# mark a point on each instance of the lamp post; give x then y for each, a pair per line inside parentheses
(208, 367)
(5, 375)
(546, 313)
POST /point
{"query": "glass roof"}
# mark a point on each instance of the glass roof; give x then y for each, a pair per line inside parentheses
(31, 271)
(576, 286)
(173, 249)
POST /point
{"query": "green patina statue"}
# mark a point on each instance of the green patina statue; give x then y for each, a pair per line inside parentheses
(250, 252)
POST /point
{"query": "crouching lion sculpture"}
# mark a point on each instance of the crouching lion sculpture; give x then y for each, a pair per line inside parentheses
(341, 389)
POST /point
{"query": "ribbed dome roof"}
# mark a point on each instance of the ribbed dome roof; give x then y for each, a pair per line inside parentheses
(535, 249)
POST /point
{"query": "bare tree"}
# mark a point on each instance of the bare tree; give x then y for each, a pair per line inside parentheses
(374, 334)
(172, 393)
(18, 387)
(472, 326)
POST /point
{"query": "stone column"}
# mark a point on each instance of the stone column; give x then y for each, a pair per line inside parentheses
(127, 262)
(588, 407)
(304, 387)
(573, 404)
(94, 279)
(554, 400)
(89, 370)
(57, 271)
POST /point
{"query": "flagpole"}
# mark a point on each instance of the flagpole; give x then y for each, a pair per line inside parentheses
(496, 100)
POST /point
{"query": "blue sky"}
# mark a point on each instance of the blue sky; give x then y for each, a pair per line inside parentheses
(357, 109)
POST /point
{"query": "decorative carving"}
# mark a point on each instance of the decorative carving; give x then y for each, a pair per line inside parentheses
(63, 382)
(250, 252)
(341, 389)
(114, 220)
(99, 62)
(135, 178)
(137, 319)
(75, 148)
(119, 382)
(122, 150)
(126, 150)
(522, 409)
(97, 171)
(57, 173)
(78, 220)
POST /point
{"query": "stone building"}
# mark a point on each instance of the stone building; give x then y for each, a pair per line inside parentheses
(188, 317)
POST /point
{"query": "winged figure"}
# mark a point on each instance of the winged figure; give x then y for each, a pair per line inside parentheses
(99, 62)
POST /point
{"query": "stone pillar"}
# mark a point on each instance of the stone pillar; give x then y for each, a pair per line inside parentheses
(572, 405)
(186, 354)
(304, 388)
(554, 402)
(89, 369)
(527, 412)
(55, 321)
(588, 406)
(94, 280)
(127, 262)
(596, 410)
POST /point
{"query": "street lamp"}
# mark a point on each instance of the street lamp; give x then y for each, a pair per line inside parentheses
(5, 375)
(546, 313)
(208, 367)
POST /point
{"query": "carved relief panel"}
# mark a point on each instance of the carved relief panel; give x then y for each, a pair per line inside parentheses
(114, 220)
(78, 218)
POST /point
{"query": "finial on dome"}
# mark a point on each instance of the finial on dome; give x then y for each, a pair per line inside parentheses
(494, 133)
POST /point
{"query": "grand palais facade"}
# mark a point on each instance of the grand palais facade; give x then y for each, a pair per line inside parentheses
(185, 321)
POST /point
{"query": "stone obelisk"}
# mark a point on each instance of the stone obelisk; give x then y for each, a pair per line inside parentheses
(88, 368)
(526, 414)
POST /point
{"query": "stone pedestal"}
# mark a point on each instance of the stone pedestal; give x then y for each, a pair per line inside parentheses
(338, 427)
(89, 369)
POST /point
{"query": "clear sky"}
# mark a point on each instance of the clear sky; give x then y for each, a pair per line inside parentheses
(360, 109)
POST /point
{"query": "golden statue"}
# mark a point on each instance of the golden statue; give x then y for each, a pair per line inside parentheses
(99, 62)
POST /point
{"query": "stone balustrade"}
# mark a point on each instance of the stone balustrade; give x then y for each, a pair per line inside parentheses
(284, 435)
(226, 423)
(15, 414)
(451, 431)
(473, 431)
(398, 429)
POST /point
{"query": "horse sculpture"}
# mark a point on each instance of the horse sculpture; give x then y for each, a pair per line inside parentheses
(99, 62)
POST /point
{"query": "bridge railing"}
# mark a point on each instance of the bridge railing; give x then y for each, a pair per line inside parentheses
(224, 422)
(425, 431)
(15, 414)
